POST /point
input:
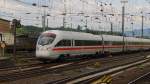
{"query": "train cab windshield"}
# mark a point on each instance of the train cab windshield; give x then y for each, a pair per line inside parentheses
(46, 39)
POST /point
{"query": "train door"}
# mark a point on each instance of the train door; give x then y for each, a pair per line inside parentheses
(72, 43)
(103, 44)
(125, 44)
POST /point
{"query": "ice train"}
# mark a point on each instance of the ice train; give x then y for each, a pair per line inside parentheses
(55, 44)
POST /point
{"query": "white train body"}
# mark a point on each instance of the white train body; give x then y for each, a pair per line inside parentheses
(55, 43)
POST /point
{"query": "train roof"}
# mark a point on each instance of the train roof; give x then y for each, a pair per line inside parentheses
(146, 40)
(128, 39)
(134, 39)
(75, 35)
(88, 36)
(112, 38)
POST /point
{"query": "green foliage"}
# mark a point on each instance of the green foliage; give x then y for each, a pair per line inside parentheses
(27, 30)
(21, 31)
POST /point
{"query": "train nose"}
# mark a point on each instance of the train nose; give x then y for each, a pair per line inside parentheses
(42, 52)
(45, 52)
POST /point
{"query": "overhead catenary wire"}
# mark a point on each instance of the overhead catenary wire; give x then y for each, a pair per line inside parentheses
(106, 6)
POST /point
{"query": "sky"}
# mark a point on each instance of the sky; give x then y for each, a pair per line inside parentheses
(31, 15)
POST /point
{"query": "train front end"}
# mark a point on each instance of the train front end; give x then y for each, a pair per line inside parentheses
(44, 46)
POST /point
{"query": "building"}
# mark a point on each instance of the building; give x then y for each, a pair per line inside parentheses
(5, 32)
(4, 26)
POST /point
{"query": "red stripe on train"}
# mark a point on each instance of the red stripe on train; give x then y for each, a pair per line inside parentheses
(96, 47)
(86, 48)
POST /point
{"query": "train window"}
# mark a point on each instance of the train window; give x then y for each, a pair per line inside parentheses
(113, 42)
(145, 43)
(87, 43)
(64, 43)
(134, 43)
(117, 43)
(108, 43)
(46, 39)
(79, 43)
(92, 43)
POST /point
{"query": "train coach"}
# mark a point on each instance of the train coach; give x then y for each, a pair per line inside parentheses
(55, 44)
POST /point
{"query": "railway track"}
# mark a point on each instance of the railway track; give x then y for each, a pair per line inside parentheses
(36, 64)
(21, 60)
(104, 68)
(29, 72)
(16, 65)
(61, 67)
(89, 77)
(144, 79)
